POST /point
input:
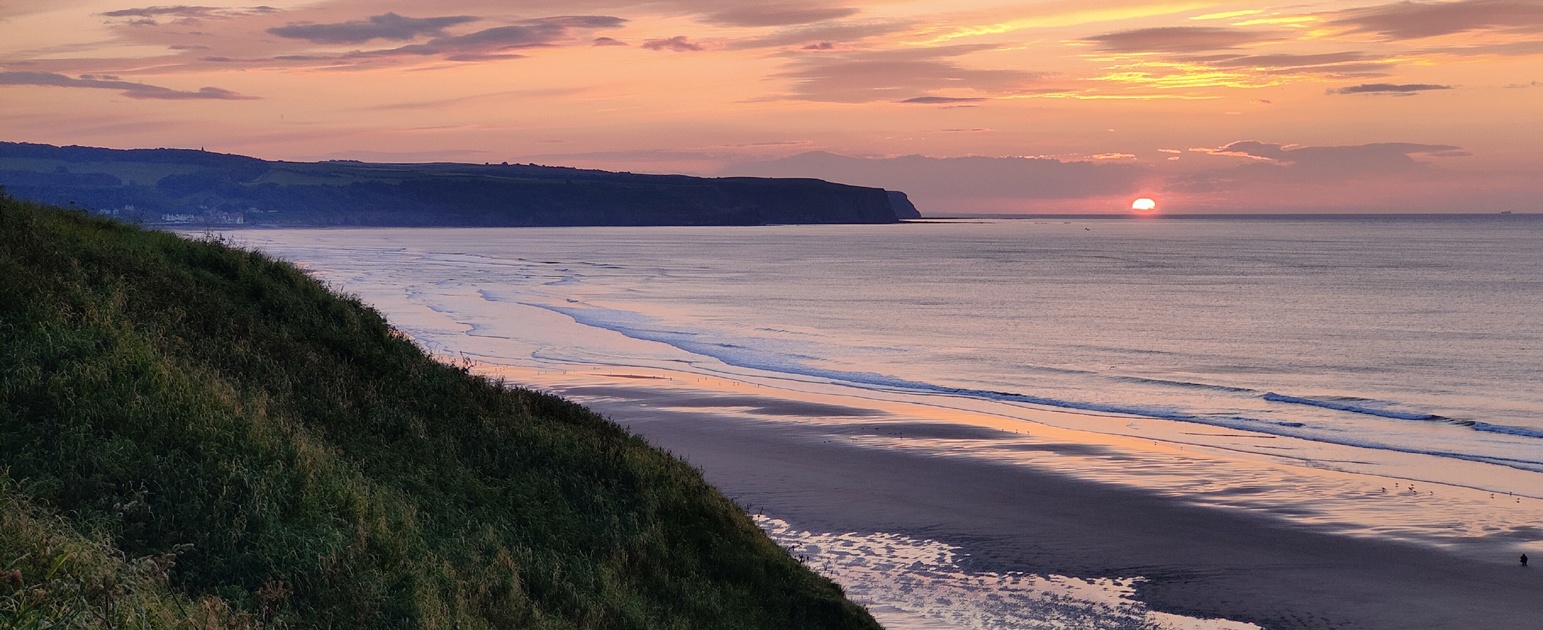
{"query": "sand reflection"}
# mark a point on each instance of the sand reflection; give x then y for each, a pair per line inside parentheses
(914, 584)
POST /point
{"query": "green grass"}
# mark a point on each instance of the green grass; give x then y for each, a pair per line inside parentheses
(306, 174)
(142, 173)
(55, 577)
(198, 435)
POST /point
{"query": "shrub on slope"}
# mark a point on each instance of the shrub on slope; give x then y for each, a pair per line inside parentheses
(281, 456)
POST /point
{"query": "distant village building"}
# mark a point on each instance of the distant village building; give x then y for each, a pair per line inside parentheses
(225, 218)
(209, 217)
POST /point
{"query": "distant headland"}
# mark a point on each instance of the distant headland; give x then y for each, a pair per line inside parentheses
(192, 187)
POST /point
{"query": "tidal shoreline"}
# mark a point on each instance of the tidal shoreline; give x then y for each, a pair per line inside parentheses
(1362, 528)
(1195, 561)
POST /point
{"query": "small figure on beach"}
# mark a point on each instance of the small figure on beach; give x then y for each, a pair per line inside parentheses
(1524, 559)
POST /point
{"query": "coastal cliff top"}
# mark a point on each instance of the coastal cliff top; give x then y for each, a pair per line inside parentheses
(196, 434)
(194, 187)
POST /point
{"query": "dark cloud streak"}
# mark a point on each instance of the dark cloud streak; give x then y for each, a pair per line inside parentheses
(147, 15)
(1389, 88)
(1340, 65)
(495, 43)
(942, 100)
(758, 14)
(822, 36)
(126, 88)
(1416, 20)
(860, 77)
(678, 43)
(1178, 39)
(1287, 60)
(389, 26)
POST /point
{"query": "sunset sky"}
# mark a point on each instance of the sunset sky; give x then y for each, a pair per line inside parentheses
(972, 107)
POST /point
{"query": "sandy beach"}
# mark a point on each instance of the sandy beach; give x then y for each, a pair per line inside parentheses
(1196, 561)
(1195, 501)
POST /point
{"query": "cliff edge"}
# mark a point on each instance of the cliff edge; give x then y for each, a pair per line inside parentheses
(198, 188)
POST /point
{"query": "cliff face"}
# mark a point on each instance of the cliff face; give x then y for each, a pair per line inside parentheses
(199, 188)
(902, 205)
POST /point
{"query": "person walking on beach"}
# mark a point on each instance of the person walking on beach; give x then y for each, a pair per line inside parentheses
(1524, 559)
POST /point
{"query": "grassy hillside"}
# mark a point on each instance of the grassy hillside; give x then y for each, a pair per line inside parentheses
(197, 435)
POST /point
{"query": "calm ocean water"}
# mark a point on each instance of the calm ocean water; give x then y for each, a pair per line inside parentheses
(1403, 334)
(1309, 370)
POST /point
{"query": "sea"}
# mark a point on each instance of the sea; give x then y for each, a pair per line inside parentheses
(1333, 371)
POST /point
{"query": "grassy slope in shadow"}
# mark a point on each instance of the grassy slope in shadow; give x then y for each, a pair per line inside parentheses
(200, 435)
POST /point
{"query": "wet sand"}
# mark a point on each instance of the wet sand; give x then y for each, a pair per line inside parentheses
(1197, 561)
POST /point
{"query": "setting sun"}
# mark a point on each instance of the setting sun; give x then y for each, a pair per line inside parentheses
(863, 262)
